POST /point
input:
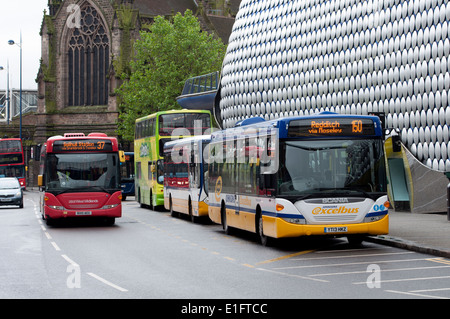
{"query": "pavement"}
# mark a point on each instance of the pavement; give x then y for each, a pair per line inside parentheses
(426, 233)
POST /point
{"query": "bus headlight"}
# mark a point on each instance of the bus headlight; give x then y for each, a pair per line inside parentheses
(372, 219)
(301, 221)
(57, 207)
(109, 206)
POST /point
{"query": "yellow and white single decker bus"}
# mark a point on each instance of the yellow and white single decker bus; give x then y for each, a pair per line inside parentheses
(185, 176)
(322, 174)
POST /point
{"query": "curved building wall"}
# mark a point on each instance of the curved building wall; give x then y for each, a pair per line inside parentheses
(290, 57)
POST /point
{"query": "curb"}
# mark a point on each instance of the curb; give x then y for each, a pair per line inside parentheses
(409, 245)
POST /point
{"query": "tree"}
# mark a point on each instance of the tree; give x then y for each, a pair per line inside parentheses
(166, 55)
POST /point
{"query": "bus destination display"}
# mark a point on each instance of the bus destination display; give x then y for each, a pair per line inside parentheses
(85, 145)
(331, 127)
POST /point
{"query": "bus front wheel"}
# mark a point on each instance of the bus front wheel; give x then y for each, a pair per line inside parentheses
(265, 240)
(355, 240)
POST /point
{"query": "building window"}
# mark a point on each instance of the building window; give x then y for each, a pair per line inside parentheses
(88, 60)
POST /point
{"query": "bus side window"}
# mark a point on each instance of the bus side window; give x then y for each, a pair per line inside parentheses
(138, 170)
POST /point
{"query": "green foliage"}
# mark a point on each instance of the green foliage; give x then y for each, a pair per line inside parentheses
(165, 57)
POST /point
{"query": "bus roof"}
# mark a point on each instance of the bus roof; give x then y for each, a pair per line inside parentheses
(79, 142)
(284, 122)
(170, 112)
(188, 140)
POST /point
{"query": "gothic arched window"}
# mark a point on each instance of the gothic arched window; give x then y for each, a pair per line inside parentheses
(88, 60)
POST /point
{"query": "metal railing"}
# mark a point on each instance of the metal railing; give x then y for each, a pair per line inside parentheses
(200, 84)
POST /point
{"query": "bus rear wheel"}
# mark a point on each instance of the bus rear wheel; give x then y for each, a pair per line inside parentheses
(265, 240)
(172, 212)
(223, 215)
(191, 215)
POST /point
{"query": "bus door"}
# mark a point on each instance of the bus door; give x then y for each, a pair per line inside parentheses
(238, 159)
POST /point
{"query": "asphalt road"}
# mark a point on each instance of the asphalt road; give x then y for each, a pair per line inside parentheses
(149, 254)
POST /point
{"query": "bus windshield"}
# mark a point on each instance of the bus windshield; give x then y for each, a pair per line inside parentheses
(194, 123)
(10, 146)
(83, 172)
(332, 167)
(12, 171)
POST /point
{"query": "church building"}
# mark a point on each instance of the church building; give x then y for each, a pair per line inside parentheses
(86, 44)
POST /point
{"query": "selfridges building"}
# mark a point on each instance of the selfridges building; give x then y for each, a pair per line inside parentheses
(288, 58)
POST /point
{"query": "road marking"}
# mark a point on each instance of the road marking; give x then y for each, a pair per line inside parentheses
(55, 246)
(107, 282)
(405, 279)
(362, 255)
(430, 290)
(414, 294)
(284, 257)
(350, 264)
(70, 261)
(291, 275)
(384, 270)
(440, 260)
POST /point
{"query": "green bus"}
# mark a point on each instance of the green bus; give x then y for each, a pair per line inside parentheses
(151, 132)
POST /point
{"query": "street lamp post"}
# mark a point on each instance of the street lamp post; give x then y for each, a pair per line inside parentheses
(7, 111)
(11, 42)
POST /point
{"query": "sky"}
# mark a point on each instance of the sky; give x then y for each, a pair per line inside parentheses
(21, 16)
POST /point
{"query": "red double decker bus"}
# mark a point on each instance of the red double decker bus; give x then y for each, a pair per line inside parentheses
(12, 161)
(80, 176)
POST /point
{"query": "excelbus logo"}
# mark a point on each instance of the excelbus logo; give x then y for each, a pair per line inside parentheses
(334, 210)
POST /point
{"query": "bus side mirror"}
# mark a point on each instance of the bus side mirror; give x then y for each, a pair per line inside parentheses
(122, 156)
(40, 180)
(152, 168)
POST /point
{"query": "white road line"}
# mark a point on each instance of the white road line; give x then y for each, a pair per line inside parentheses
(351, 264)
(291, 275)
(356, 256)
(431, 290)
(55, 246)
(405, 279)
(107, 282)
(70, 261)
(414, 294)
(348, 250)
(382, 270)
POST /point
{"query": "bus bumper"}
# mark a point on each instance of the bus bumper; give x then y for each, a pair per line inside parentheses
(57, 213)
(279, 228)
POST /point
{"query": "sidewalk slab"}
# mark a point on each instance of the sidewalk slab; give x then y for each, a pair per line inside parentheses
(422, 232)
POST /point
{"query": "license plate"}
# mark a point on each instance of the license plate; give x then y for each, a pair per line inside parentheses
(6, 199)
(335, 229)
(83, 213)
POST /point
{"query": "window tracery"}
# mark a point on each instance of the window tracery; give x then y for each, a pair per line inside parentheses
(88, 60)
